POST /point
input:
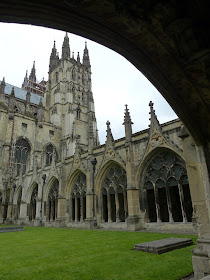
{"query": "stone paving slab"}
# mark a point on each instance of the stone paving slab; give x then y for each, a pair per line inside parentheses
(163, 245)
(11, 229)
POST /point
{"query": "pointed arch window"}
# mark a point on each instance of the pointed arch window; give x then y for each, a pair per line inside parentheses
(78, 199)
(78, 113)
(165, 183)
(53, 201)
(114, 199)
(22, 155)
(50, 152)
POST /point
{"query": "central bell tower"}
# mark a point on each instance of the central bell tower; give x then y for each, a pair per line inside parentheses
(69, 98)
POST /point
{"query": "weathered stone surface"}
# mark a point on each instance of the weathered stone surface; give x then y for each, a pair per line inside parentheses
(163, 245)
(11, 229)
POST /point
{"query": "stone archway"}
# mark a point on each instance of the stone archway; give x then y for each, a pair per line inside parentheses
(169, 43)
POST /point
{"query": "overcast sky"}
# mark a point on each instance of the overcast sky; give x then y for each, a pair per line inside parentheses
(115, 81)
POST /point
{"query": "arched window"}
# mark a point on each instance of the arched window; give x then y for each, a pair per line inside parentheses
(50, 152)
(22, 153)
(53, 201)
(78, 198)
(114, 199)
(78, 112)
(166, 195)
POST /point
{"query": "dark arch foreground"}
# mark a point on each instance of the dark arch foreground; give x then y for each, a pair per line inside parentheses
(169, 43)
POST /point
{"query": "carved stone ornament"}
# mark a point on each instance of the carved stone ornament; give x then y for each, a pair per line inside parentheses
(157, 140)
(110, 154)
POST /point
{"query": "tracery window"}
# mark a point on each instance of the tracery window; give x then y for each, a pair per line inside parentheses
(78, 198)
(114, 199)
(22, 153)
(166, 195)
(49, 153)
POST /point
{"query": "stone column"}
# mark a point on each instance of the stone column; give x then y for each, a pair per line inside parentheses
(157, 204)
(109, 208)
(181, 196)
(171, 220)
(61, 212)
(117, 207)
(81, 207)
(38, 213)
(23, 219)
(198, 175)
(125, 205)
(76, 208)
(133, 220)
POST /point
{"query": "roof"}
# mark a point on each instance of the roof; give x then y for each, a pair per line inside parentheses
(21, 93)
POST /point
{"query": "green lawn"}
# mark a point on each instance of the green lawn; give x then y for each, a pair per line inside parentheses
(51, 253)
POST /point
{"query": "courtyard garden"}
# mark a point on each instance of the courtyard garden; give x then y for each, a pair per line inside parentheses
(61, 254)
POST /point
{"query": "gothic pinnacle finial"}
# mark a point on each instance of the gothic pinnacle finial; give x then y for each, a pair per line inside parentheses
(13, 92)
(108, 124)
(78, 57)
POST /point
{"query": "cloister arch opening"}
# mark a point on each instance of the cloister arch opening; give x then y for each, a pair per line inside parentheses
(77, 199)
(51, 204)
(32, 207)
(164, 189)
(113, 195)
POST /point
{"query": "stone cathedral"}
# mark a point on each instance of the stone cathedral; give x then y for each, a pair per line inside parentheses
(54, 172)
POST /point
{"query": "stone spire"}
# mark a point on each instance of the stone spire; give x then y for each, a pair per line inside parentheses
(78, 58)
(109, 136)
(11, 105)
(54, 58)
(66, 48)
(128, 125)
(32, 76)
(86, 59)
(90, 138)
(154, 123)
(25, 81)
(40, 114)
(2, 89)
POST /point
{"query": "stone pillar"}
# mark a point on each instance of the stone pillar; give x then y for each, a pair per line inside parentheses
(157, 204)
(23, 219)
(109, 208)
(196, 163)
(117, 207)
(181, 196)
(171, 220)
(133, 220)
(89, 198)
(38, 213)
(61, 212)
(81, 207)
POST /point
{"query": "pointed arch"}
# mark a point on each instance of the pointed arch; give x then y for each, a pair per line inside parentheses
(29, 191)
(161, 187)
(111, 187)
(76, 195)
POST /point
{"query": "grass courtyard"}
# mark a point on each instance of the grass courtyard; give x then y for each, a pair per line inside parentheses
(53, 253)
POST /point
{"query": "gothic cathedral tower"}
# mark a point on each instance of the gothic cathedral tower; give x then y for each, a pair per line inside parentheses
(69, 98)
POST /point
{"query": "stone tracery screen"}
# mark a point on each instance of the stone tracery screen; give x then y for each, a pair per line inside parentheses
(22, 154)
(166, 195)
(114, 198)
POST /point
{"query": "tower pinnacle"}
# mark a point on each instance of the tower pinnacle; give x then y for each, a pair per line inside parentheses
(32, 76)
(66, 48)
(54, 59)
(86, 59)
